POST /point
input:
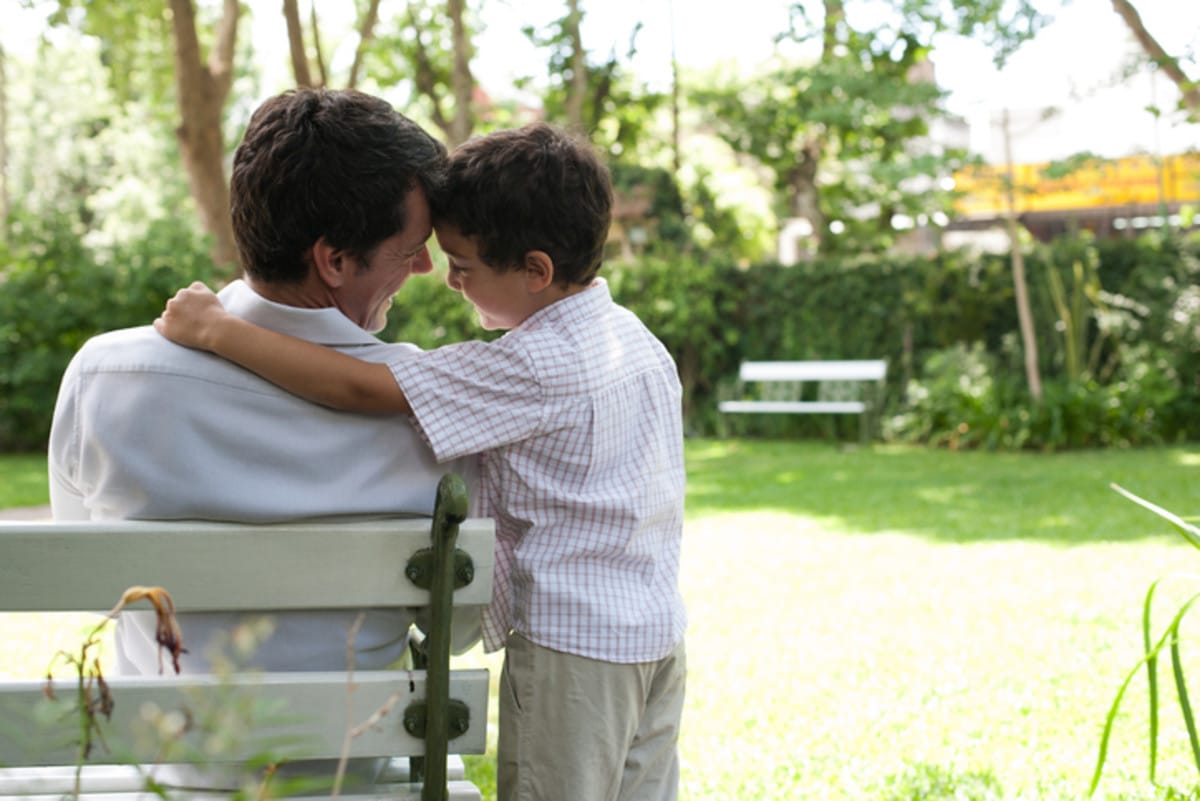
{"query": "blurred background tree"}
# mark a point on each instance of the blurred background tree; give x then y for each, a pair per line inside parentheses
(118, 120)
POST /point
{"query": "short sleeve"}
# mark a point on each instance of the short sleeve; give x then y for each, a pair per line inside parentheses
(471, 397)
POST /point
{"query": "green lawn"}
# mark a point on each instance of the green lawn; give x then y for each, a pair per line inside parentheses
(22, 480)
(907, 624)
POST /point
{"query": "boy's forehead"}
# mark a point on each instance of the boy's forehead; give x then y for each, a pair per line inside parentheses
(452, 240)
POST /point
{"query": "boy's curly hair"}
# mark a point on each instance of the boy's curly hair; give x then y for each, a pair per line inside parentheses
(533, 188)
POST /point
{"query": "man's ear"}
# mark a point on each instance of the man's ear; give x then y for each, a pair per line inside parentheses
(539, 270)
(331, 264)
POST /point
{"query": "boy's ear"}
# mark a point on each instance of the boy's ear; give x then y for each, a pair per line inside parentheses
(539, 270)
(330, 263)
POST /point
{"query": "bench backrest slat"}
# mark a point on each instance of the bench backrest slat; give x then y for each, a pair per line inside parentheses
(329, 564)
(228, 567)
(847, 370)
(313, 710)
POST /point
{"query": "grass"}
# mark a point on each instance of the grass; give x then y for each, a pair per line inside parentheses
(890, 624)
(23, 480)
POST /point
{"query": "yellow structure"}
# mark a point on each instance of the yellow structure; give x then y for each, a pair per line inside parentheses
(1141, 182)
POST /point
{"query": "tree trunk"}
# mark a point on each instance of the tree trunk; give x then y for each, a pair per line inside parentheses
(1024, 314)
(676, 156)
(202, 90)
(804, 196)
(1188, 89)
(835, 15)
(318, 53)
(295, 32)
(3, 149)
(462, 80)
(578, 88)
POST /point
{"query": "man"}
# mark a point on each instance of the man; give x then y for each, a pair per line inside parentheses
(331, 218)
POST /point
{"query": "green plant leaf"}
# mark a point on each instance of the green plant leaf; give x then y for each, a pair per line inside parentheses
(1190, 532)
(1185, 705)
(1171, 633)
(1151, 677)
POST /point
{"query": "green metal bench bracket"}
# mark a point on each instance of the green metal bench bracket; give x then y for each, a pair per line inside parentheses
(459, 719)
(423, 564)
(443, 571)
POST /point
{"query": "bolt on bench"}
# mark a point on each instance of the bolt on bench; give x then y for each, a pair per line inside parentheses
(422, 714)
(845, 387)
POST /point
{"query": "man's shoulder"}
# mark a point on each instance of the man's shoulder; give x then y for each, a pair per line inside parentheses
(124, 346)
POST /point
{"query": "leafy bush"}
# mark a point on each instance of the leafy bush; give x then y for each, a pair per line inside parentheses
(55, 294)
(1118, 328)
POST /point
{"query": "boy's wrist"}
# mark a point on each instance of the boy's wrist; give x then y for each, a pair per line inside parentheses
(216, 335)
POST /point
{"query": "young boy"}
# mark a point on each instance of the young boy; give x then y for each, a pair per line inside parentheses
(576, 413)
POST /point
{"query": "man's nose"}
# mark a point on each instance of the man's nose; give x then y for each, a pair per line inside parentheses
(421, 262)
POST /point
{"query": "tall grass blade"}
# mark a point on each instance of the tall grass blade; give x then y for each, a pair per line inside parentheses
(1110, 719)
(1190, 532)
(1185, 705)
(1151, 677)
(1106, 734)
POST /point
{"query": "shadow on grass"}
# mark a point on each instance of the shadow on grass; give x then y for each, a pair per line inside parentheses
(957, 497)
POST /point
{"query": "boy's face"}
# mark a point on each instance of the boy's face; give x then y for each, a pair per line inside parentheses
(501, 299)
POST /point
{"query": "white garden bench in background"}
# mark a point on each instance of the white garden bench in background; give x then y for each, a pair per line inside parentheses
(346, 564)
(846, 387)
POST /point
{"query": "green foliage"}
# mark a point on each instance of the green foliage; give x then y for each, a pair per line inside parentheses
(935, 783)
(847, 133)
(682, 301)
(617, 110)
(55, 293)
(1003, 25)
(135, 41)
(1170, 641)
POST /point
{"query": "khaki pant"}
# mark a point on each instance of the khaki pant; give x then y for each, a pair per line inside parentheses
(575, 729)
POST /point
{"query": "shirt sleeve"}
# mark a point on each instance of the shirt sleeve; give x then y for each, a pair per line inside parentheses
(471, 397)
(63, 453)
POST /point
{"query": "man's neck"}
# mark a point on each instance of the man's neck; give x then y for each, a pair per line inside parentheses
(307, 294)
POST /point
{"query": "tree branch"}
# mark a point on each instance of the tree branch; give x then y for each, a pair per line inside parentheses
(320, 53)
(366, 32)
(462, 80)
(220, 60)
(425, 78)
(578, 87)
(1165, 62)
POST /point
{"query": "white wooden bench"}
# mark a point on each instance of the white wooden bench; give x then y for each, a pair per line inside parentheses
(846, 387)
(351, 564)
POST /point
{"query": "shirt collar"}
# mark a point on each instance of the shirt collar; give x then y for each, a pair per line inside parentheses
(327, 326)
(573, 308)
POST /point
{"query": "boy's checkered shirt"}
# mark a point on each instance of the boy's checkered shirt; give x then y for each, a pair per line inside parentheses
(576, 413)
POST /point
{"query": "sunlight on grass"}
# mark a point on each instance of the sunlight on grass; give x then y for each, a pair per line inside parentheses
(843, 661)
(894, 624)
(33, 640)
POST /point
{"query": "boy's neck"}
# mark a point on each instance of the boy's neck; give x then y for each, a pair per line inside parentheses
(553, 294)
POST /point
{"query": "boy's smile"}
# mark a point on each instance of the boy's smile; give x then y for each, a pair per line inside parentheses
(501, 299)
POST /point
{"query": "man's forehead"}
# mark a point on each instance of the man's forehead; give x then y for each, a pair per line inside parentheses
(418, 224)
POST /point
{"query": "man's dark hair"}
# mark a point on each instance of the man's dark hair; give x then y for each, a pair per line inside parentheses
(319, 163)
(534, 188)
